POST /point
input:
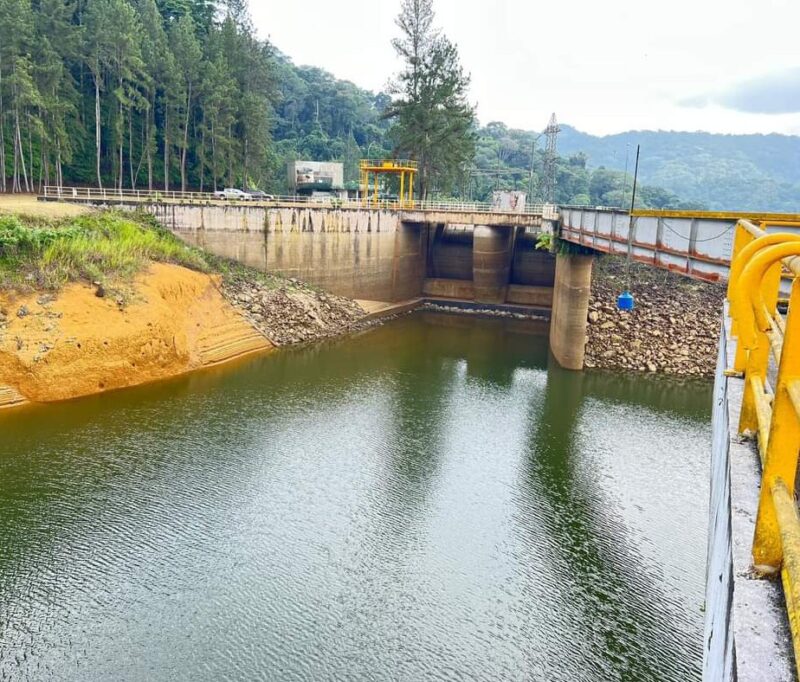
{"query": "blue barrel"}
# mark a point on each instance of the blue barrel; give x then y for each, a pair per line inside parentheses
(625, 301)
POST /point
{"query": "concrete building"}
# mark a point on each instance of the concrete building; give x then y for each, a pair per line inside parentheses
(317, 178)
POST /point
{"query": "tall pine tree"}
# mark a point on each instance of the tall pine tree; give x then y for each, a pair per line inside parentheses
(433, 120)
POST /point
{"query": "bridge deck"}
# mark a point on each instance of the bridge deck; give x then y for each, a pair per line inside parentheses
(697, 243)
(447, 212)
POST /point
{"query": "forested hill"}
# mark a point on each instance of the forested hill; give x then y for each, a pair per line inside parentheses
(725, 172)
(181, 94)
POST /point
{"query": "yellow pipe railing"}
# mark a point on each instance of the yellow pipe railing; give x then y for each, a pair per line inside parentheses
(758, 264)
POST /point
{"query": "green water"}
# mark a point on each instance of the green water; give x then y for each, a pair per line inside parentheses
(429, 500)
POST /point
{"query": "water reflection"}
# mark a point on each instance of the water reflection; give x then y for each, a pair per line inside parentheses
(431, 499)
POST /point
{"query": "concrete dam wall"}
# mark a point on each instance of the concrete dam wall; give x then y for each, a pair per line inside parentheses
(373, 254)
(360, 254)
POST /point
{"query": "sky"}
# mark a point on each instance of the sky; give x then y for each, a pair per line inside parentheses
(723, 66)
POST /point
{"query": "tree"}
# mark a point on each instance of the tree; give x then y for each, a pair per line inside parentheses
(602, 184)
(57, 46)
(114, 59)
(17, 81)
(433, 121)
(187, 53)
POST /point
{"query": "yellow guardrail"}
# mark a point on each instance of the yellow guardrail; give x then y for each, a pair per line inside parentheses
(768, 355)
(381, 164)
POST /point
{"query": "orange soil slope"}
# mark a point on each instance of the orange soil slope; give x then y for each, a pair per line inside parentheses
(75, 344)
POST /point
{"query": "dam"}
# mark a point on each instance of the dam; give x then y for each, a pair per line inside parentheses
(466, 253)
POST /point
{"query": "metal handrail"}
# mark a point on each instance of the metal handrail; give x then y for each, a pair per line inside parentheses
(773, 415)
(171, 196)
(388, 163)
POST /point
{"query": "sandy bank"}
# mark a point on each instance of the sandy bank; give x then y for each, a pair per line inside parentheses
(74, 343)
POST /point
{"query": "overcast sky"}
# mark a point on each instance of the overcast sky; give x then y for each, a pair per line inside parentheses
(729, 66)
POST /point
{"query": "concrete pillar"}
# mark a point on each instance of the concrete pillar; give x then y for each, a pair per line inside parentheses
(491, 263)
(570, 310)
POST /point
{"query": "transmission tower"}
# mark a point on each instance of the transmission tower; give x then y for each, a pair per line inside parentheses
(550, 160)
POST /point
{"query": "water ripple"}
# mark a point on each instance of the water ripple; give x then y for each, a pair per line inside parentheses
(424, 502)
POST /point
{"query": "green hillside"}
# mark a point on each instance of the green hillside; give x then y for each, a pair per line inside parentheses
(724, 172)
(181, 94)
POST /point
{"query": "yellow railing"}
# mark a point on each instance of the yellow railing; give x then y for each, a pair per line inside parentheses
(768, 356)
(388, 164)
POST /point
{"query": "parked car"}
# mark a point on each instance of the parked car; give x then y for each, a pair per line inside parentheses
(258, 195)
(232, 193)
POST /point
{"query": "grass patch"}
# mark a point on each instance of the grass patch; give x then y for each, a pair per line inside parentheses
(107, 247)
(28, 205)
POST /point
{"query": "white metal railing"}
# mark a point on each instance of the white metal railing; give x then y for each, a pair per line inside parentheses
(158, 196)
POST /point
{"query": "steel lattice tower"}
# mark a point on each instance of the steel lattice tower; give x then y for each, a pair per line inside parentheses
(550, 160)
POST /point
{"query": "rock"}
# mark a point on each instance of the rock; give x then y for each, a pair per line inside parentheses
(23, 311)
(594, 316)
(674, 327)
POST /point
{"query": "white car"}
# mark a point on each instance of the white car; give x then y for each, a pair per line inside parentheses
(232, 193)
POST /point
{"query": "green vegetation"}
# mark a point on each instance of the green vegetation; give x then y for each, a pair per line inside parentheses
(545, 241)
(516, 160)
(720, 172)
(105, 247)
(179, 94)
(434, 122)
(132, 93)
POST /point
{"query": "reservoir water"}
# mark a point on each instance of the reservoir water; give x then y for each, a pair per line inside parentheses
(430, 500)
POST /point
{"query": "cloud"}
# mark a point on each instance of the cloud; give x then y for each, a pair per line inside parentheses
(773, 93)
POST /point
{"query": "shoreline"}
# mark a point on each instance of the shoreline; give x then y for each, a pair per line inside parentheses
(39, 342)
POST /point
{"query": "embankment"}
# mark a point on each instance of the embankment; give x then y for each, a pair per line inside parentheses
(105, 301)
(56, 346)
(674, 328)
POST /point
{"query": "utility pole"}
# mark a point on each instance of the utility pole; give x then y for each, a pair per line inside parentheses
(625, 177)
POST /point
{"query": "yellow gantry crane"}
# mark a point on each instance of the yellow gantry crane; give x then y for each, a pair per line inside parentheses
(404, 168)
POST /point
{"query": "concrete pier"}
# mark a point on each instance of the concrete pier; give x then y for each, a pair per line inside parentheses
(570, 309)
(491, 263)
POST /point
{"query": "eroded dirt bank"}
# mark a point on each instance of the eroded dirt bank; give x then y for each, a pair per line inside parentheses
(674, 328)
(56, 346)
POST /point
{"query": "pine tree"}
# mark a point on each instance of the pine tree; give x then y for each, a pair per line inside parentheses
(187, 54)
(433, 121)
(158, 64)
(57, 46)
(21, 94)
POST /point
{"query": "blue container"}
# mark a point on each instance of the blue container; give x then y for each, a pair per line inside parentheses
(625, 301)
